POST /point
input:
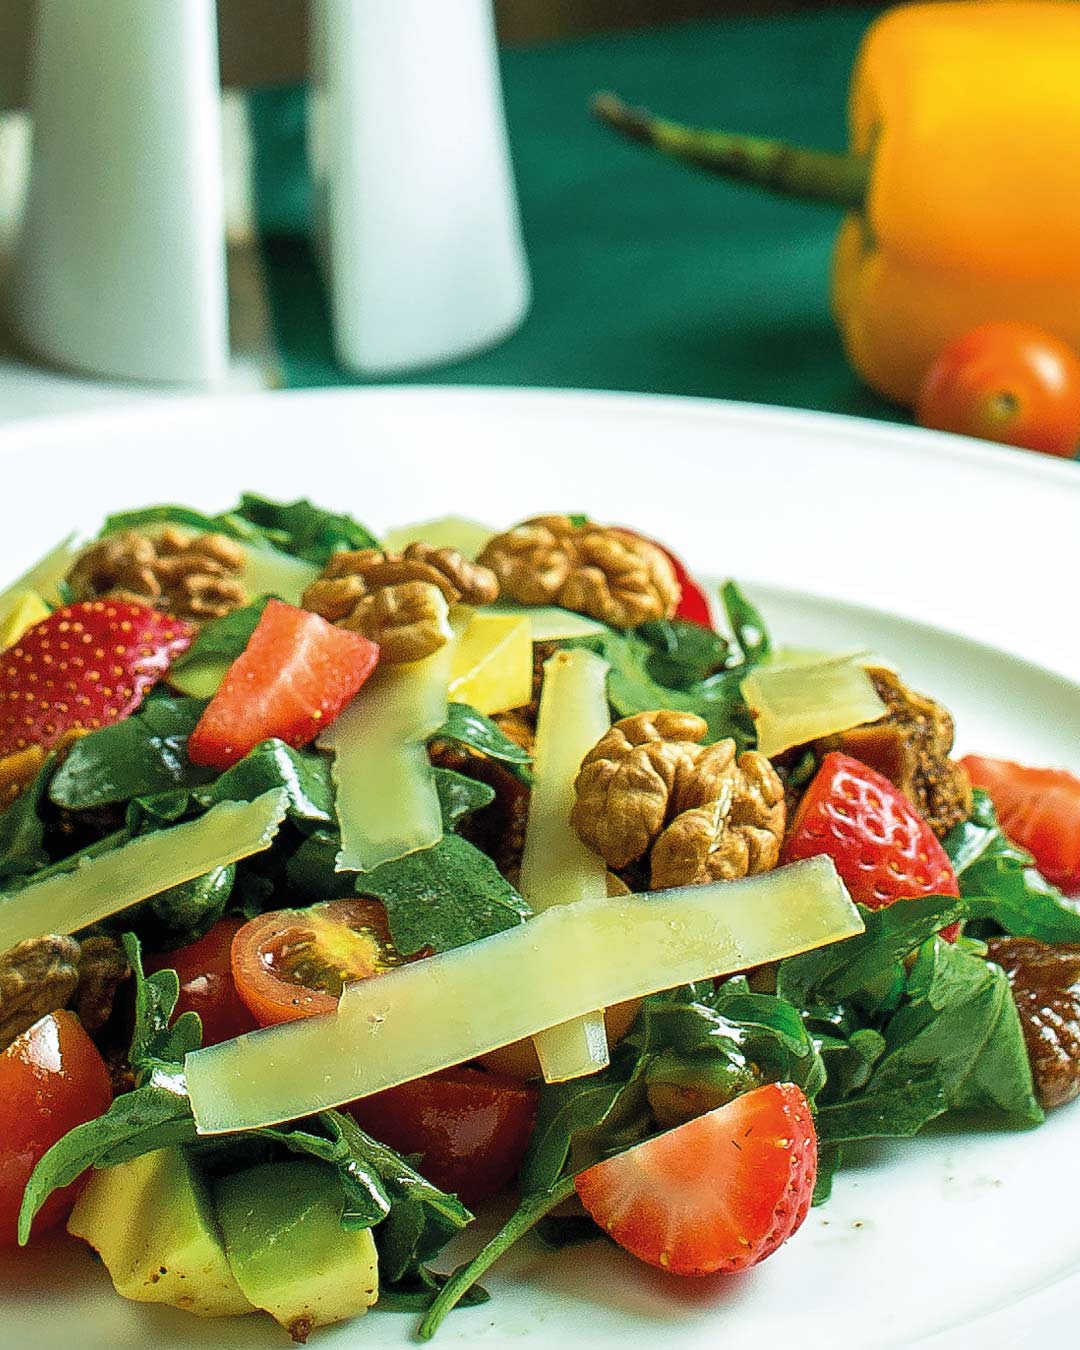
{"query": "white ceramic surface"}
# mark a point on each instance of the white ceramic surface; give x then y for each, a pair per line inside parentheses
(415, 199)
(966, 557)
(120, 267)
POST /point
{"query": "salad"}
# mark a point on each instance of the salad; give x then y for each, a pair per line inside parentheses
(347, 884)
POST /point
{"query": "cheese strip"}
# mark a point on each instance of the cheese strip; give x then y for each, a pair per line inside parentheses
(493, 663)
(549, 623)
(147, 865)
(387, 805)
(794, 704)
(562, 964)
(270, 572)
(43, 577)
(467, 536)
(556, 867)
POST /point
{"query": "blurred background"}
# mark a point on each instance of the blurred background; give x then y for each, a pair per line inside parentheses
(645, 275)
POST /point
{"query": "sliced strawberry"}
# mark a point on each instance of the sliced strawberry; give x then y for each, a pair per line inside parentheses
(721, 1192)
(882, 847)
(1039, 809)
(292, 679)
(692, 605)
(84, 667)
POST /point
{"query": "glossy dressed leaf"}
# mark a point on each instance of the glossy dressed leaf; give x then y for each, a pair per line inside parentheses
(301, 528)
(682, 654)
(180, 915)
(22, 831)
(460, 796)
(303, 774)
(141, 756)
(465, 726)
(746, 623)
(443, 897)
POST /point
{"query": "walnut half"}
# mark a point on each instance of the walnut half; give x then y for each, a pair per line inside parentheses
(399, 600)
(701, 812)
(599, 570)
(192, 577)
(43, 974)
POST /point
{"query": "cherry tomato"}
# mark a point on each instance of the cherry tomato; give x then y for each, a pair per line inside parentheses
(692, 605)
(293, 963)
(471, 1128)
(1008, 382)
(206, 982)
(51, 1079)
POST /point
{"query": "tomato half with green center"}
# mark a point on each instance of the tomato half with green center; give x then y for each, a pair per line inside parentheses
(293, 963)
(470, 1128)
(52, 1078)
(206, 982)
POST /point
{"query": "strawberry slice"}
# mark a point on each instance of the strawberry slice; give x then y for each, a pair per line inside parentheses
(84, 667)
(882, 847)
(292, 679)
(719, 1193)
(1039, 809)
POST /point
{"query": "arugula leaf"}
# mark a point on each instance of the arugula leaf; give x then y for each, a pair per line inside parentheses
(170, 514)
(1002, 879)
(157, 1043)
(443, 897)
(746, 623)
(141, 756)
(465, 726)
(22, 831)
(460, 796)
(300, 528)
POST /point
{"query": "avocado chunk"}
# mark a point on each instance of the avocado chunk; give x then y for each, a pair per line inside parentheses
(286, 1246)
(152, 1222)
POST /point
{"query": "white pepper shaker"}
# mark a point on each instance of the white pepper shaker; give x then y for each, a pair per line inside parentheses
(417, 213)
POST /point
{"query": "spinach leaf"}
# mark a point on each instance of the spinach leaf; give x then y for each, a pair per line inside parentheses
(141, 756)
(22, 831)
(217, 646)
(683, 654)
(171, 514)
(465, 726)
(443, 897)
(1002, 879)
(300, 528)
(303, 774)
(892, 1111)
(746, 624)
(180, 915)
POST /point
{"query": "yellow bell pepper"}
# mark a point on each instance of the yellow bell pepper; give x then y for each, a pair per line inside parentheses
(962, 205)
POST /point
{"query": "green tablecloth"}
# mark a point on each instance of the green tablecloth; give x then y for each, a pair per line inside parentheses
(647, 276)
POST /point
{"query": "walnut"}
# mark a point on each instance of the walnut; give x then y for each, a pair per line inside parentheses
(910, 745)
(1045, 984)
(193, 577)
(102, 968)
(607, 573)
(706, 812)
(399, 600)
(37, 977)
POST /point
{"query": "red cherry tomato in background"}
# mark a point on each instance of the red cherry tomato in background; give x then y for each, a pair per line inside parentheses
(1039, 809)
(693, 605)
(206, 982)
(1007, 382)
(471, 1127)
(52, 1078)
(293, 963)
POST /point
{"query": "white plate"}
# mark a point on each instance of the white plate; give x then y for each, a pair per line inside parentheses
(921, 546)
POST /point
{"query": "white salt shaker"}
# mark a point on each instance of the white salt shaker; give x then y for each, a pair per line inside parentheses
(120, 267)
(417, 215)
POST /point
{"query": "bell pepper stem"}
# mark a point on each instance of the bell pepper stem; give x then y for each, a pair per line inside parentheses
(836, 179)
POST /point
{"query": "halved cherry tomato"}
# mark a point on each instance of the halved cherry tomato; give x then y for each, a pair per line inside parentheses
(51, 1079)
(693, 605)
(1008, 382)
(471, 1128)
(719, 1193)
(291, 680)
(293, 963)
(206, 982)
(1039, 809)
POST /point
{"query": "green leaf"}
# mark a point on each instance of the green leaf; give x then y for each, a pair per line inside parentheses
(301, 528)
(746, 623)
(1003, 883)
(217, 646)
(303, 774)
(682, 654)
(22, 831)
(895, 1111)
(155, 1115)
(180, 915)
(443, 897)
(460, 796)
(141, 756)
(465, 726)
(158, 1044)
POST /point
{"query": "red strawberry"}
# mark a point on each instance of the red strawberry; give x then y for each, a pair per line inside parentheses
(721, 1192)
(1039, 809)
(291, 680)
(882, 847)
(84, 667)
